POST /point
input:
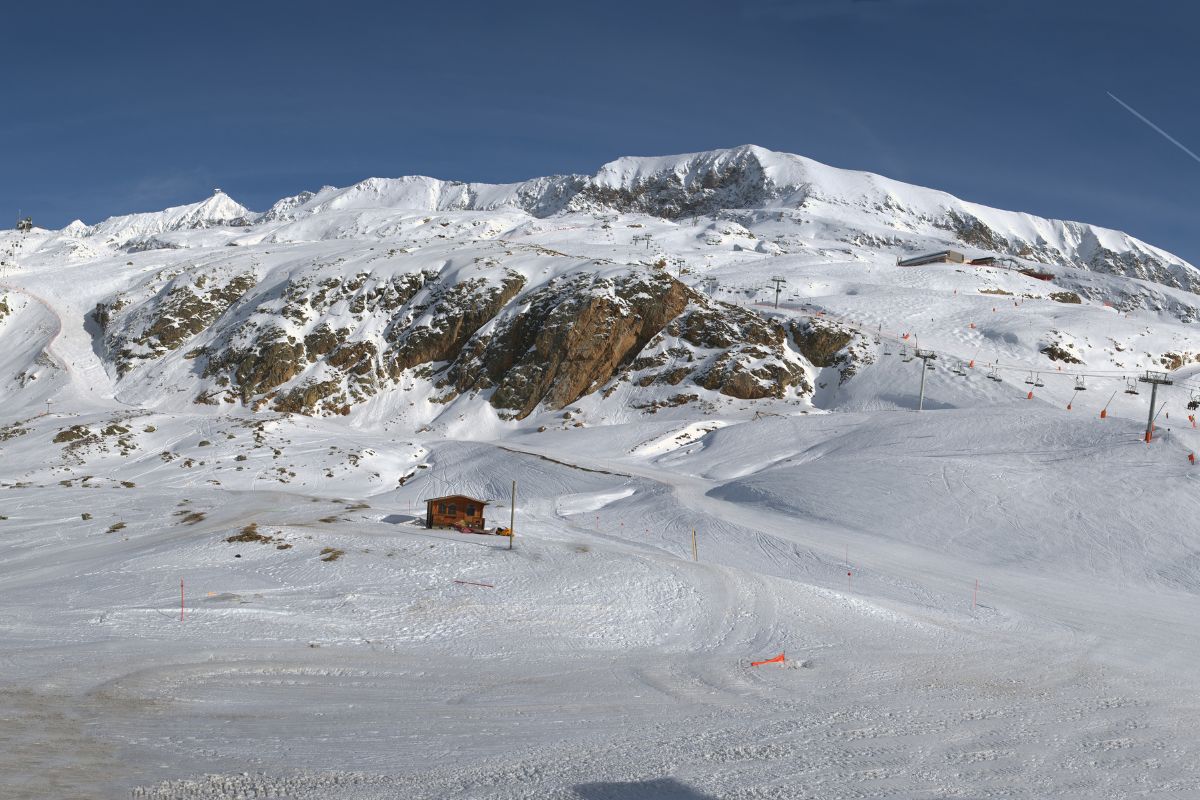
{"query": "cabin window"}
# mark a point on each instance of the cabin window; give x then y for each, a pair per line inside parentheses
(441, 508)
(470, 511)
(453, 509)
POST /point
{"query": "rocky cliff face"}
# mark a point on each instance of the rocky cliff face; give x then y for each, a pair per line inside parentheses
(567, 339)
(831, 346)
(173, 308)
(712, 185)
(321, 340)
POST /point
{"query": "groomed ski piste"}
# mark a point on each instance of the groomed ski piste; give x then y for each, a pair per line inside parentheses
(994, 597)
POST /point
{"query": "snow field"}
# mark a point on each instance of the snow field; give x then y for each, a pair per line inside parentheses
(333, 653)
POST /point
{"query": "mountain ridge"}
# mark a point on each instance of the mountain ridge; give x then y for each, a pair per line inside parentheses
(702, 183)
(622, 293)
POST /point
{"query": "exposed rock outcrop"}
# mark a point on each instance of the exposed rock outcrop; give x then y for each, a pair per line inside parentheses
(828, 345)
(737, 182)
(568, 339)
(186, 306)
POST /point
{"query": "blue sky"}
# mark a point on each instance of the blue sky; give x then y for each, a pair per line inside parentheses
(129, 106)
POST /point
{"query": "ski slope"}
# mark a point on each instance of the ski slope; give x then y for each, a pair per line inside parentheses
(993, 597)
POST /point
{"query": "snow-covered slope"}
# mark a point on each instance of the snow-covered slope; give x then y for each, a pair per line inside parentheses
(235, 418)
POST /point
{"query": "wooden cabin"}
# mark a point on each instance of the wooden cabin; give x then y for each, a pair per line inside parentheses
(454, 510)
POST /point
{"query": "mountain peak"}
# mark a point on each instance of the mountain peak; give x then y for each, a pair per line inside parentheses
(217, 210)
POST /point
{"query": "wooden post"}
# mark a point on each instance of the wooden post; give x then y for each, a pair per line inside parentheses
(695, 553)
(512, 517)
(181, 599)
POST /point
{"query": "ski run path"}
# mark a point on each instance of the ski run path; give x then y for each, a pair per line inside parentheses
(605, 663)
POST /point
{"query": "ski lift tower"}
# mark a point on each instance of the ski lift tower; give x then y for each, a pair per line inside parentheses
(926, 356)
(1155, 379)
(24, 224)
(779, 284)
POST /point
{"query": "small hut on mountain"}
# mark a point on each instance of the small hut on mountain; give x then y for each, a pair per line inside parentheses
(454, 511)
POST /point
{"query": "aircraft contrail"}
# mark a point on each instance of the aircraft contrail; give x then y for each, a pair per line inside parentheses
(1166, 135)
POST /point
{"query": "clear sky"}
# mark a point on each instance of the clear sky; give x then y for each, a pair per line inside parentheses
(113, 107)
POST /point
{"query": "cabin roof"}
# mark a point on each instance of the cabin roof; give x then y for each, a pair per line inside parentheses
(457, 497)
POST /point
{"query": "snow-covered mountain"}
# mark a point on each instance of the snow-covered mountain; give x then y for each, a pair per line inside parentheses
(699, 376)
(897, 217)
(217, 211)
(539, 294)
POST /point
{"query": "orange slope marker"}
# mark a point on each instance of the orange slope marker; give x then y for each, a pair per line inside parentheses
(776, 660)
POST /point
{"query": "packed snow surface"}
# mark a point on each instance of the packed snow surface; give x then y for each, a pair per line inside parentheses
(994, 597)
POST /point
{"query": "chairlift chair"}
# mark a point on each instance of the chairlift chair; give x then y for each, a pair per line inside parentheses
(1037, 379)
(994, 375)
(1130, 386)
(1080, 384)
(1029, 380)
